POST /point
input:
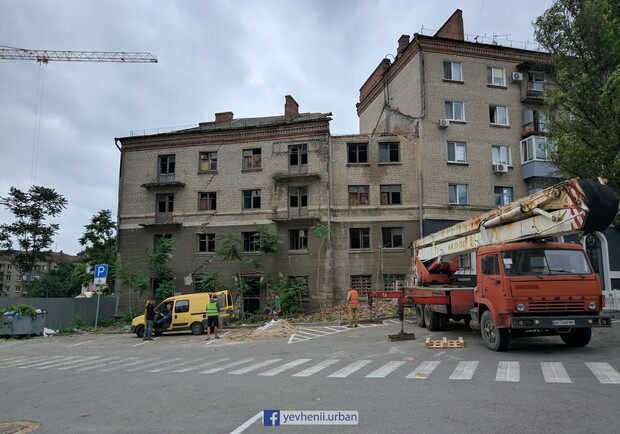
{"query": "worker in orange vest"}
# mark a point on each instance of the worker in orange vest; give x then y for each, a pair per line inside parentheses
(353, 301)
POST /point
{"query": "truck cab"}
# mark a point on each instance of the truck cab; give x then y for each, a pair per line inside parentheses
(543, 288)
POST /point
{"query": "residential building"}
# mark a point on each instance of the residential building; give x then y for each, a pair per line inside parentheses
(15, 284)
(476, 110)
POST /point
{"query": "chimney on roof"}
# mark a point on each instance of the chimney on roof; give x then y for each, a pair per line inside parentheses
(453, 28)
(291, 108)
(403, 41)
(223, 117)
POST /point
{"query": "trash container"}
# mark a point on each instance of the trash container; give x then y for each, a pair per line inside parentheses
(16, 324)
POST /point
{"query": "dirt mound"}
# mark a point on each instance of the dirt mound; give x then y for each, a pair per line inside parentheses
(274, 329)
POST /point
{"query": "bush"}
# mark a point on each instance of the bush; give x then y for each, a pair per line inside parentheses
(22, 309)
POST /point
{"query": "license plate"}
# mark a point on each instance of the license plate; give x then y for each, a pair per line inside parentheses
(563, 322)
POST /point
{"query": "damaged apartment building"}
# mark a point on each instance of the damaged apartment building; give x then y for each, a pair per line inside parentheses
(449, 128)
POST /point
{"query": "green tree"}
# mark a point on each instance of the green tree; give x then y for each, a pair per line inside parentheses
(583, 36)
(293, 293)
(210, 281)
(99, 242)
(160, 268)
(31, 232)
(322, 232)
(57, 282)
(129, 273)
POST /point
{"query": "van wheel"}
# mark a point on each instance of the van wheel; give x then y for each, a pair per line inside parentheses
(577, 337)
(140, 331)
(495, 339)
(419, 315)
(197, 328)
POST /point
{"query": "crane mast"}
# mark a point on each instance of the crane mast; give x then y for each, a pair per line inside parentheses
(45, 56)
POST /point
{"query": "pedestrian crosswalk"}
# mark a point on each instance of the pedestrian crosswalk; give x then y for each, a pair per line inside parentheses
(305, 333)
(425, 370)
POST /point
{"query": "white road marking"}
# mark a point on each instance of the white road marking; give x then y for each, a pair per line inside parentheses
(85, 361)
(62, 362)
(30, 365)
(23, 360)
(348, 370)
(247, 423)
(285, 367)
(386, 369)
(230, 365)
(424, 370)
(81, 343)
(107, 363)
(604, 372)
(124, 365)
(150, 365)
(221, 335)
(255, 366)
(202, 365)
(316, 368)
(175, 366)
(554, 372)
(464, 371)
(508, 371)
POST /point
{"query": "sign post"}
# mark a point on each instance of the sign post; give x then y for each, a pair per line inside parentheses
(101, 276)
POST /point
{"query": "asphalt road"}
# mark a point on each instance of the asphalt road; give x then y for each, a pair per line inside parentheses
(117, 383)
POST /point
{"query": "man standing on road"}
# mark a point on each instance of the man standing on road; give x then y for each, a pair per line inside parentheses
(213, 316)
(149, 315)
(353, 302)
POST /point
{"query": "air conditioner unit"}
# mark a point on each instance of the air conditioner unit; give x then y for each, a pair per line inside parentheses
(500, 168)
(516, 76)
(444, 123)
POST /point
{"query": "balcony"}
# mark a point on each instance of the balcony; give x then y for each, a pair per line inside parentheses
(532, 92)
(536, 128)
(161, 219)
(290, 176)
(164, 182)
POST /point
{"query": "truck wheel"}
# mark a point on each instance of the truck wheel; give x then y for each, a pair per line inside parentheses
(577, 337)
(443, 321)
(197, 328)
(496, 339)
(431, 319)
(140, 331)
(419, 315)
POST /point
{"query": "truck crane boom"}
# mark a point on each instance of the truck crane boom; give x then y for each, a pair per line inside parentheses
(575, 206)
(45, 56)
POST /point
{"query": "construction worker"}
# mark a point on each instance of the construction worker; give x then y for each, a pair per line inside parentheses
(213, 316)
(275, 310)
(353, 301)
(149, 316)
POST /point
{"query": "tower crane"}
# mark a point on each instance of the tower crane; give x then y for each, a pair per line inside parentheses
(45, 56)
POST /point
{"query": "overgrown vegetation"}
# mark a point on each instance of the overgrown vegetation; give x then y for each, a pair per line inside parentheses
(21, 309)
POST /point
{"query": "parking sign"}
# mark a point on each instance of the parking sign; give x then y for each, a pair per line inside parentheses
(101, 274)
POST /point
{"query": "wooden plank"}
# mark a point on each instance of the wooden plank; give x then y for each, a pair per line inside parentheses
(445, 343)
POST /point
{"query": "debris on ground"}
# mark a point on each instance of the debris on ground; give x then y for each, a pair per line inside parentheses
(380, 308)
(272, 329)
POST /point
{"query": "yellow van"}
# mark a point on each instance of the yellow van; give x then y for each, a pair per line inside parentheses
(189, 312)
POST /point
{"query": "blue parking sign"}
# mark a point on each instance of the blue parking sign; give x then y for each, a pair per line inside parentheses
(101, 274)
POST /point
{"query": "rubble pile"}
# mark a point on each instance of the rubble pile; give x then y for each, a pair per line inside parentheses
(380, 308)
(274, 329)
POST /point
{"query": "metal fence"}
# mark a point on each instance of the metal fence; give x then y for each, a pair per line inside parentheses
(61, 311)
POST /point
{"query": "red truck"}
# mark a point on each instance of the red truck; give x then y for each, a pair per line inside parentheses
(526, 283)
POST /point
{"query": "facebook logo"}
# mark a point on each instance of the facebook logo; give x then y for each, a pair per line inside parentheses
(271, 417)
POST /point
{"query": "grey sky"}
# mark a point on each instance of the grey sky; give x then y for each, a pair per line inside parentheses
(242, 56)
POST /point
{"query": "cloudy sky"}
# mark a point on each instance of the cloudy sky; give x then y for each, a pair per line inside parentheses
(58, 121)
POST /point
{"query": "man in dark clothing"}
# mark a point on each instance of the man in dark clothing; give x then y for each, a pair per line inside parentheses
(165, 318)
(149, 315)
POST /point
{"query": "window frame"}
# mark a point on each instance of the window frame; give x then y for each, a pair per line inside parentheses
(357, 150)
(450, 105)
(207, 158)
(355, 191)
(502, 195)
(491, 76)
(251, 199)
(392, 232)
(206, 242)
(300, 153)
(496, 150)
(451, 71)
(362, 283)
(166, 167)
(495, 114)
(361, 236)
(251, 242)
(457, 194)
(298, 239)
(210, 200)
(531, 153)
(453, 144)
(388, 151)
(390, 194)
(251, 161)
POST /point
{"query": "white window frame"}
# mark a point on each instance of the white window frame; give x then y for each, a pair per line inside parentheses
(496, 76)
(454, 146)
(503, 195)
(530, 151)
(451, 112)
(495, 115)
(501, 154)
(458, 190)
(456, 69)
